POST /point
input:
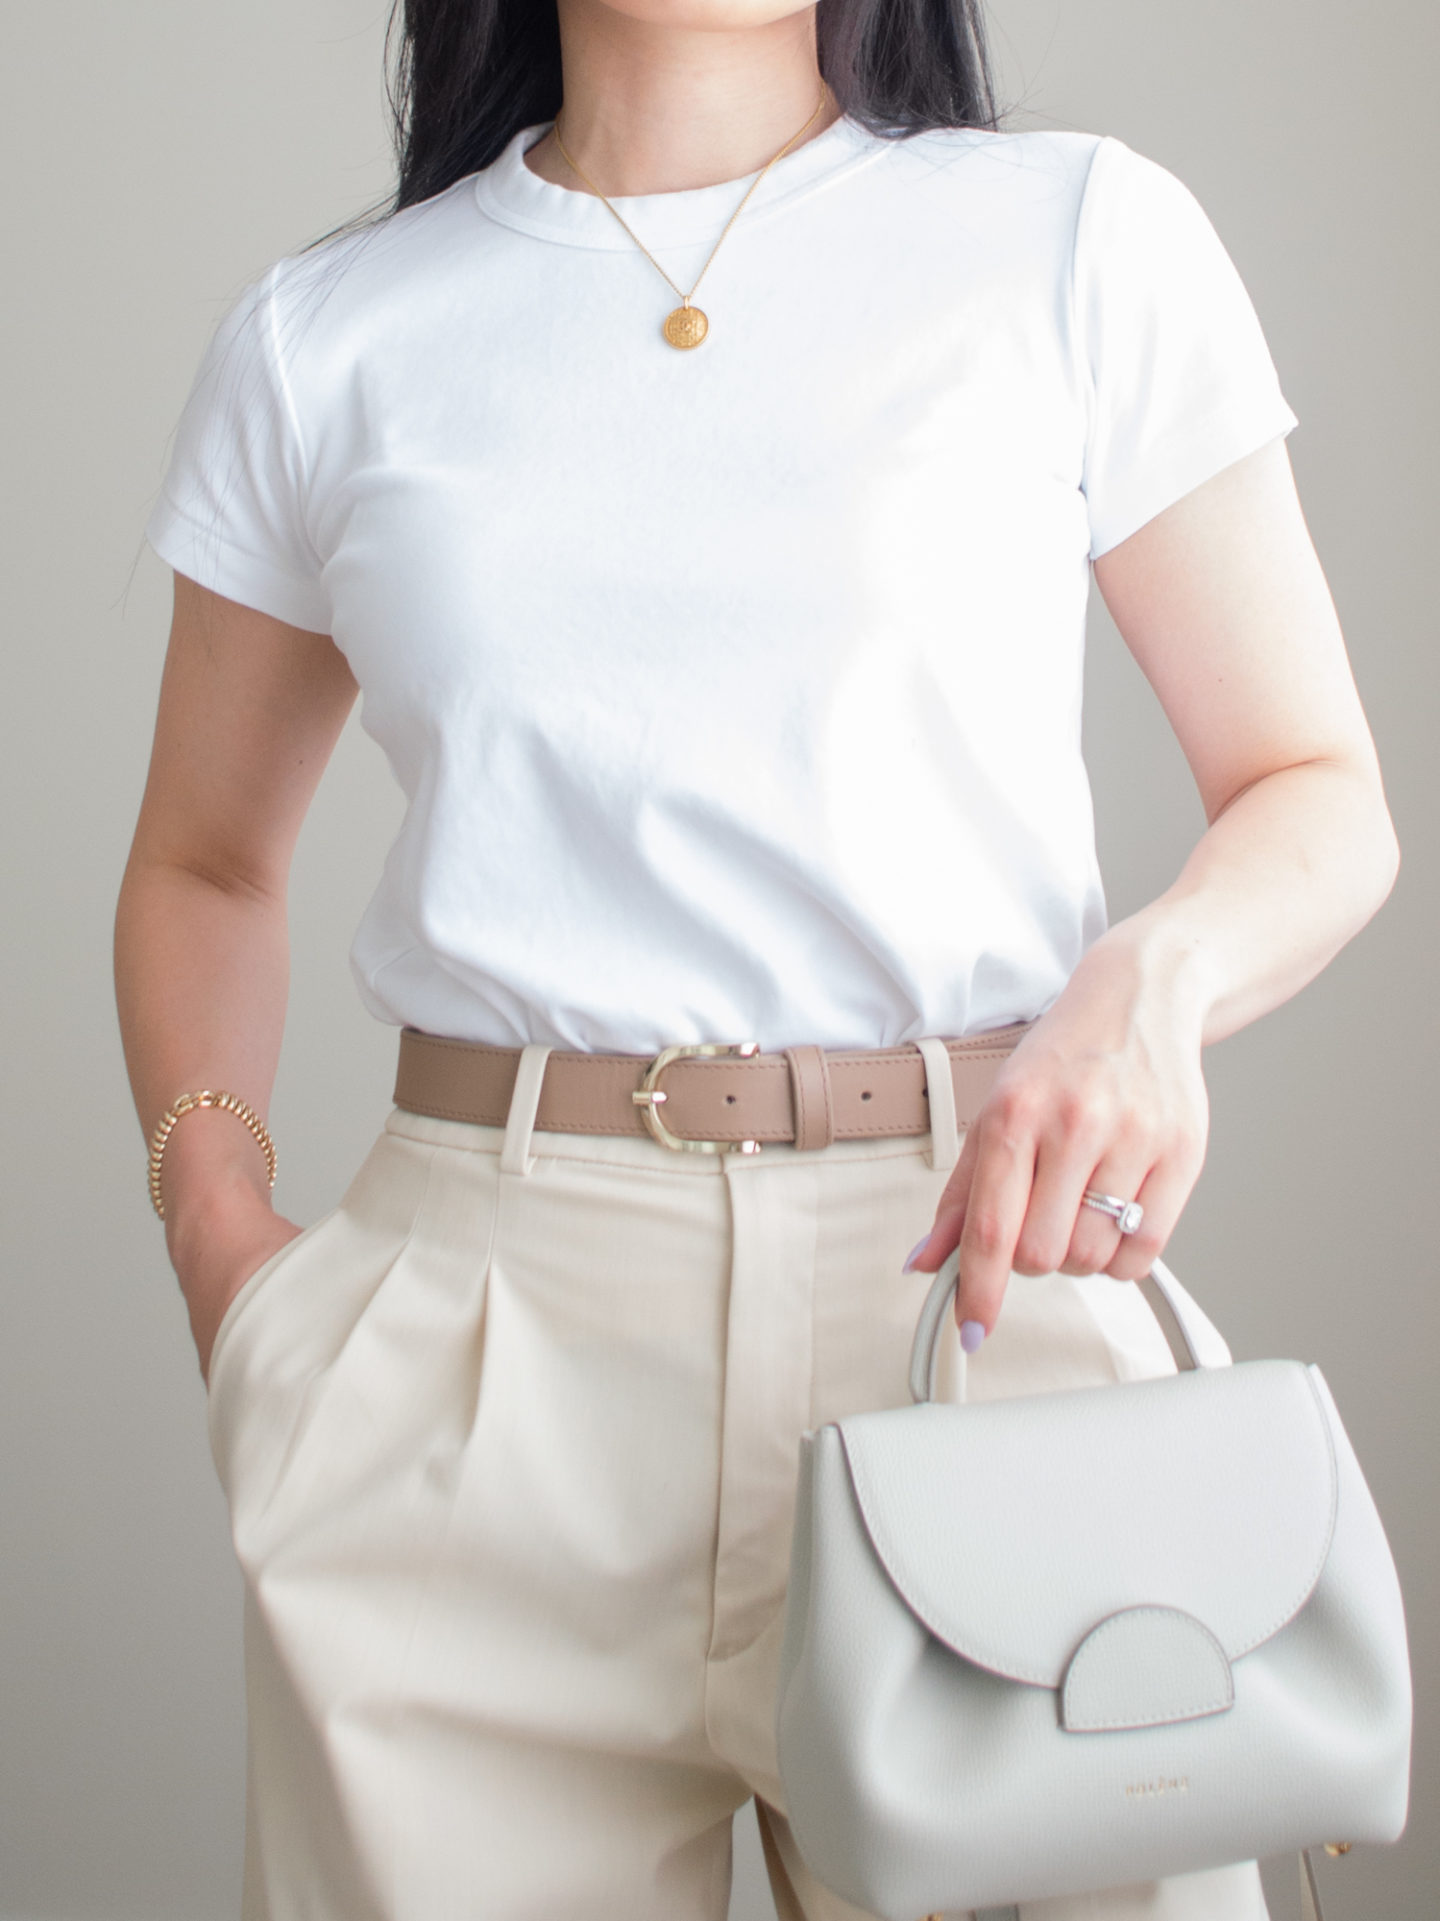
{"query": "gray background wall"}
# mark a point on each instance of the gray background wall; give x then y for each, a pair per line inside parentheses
(159, 153)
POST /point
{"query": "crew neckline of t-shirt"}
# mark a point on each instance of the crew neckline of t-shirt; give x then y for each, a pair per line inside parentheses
(510, 192)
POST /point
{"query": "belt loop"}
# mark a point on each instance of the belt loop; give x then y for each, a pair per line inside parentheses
(940, 1086)
(515, 1155)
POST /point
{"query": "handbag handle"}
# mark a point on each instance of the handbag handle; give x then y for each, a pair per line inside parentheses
(1192, 1338)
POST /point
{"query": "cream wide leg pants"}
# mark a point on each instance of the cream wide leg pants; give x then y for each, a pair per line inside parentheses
(509, 1442)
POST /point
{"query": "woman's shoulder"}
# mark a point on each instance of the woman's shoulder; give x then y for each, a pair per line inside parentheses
(1023, 180)
(368, 254)
(329, 294)
(1019, 191)
(1016, 150)
(1007, 173)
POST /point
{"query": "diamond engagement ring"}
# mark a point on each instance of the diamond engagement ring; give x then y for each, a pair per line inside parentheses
(1127, 1215)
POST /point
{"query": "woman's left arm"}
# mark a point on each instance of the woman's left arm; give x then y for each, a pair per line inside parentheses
(1222, 601)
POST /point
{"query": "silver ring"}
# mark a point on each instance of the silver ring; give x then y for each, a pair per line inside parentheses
(1127, 1215)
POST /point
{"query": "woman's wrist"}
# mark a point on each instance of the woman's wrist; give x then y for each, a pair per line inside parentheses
(1154, 961)
(213, 1175)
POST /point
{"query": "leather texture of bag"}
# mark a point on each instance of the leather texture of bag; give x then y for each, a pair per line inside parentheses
(1089, 1637)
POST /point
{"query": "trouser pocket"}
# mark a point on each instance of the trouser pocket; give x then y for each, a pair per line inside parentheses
(281, 1349)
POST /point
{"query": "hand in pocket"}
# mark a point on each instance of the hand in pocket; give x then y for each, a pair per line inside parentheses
(214, 1264)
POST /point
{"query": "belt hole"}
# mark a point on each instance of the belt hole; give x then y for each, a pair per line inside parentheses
(729, 1100)
(864, 1097)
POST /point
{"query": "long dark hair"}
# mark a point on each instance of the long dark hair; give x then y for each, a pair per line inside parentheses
(466, 75)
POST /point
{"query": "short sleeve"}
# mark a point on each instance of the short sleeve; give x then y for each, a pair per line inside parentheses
(1180, 382)
(231, 510)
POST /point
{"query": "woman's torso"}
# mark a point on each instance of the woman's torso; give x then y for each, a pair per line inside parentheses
(734, 692)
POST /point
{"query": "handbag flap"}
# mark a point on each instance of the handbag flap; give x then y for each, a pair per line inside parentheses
(1011, 1528)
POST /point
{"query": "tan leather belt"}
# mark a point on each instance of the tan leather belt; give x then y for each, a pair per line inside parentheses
(708, 1097)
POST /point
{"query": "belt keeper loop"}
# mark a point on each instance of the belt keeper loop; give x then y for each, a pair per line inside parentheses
(811, 1093)
(940, 1086)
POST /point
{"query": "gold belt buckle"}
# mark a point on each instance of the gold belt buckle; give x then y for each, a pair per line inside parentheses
(648, 1096)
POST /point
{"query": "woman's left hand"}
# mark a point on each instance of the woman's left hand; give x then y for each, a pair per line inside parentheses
(1104, 1092)
(1222, 601)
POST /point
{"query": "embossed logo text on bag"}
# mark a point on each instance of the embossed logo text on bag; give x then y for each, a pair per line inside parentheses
(1163, 1784)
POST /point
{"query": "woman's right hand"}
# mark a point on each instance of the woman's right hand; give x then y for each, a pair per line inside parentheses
(214, 1259)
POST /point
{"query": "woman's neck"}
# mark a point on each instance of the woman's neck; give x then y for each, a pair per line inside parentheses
(655, 108)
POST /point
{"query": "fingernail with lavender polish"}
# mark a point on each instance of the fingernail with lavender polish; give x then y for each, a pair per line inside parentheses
(972, 1333)
(916, 1249)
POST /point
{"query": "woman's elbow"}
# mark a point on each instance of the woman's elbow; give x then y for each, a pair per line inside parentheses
(1381, 862)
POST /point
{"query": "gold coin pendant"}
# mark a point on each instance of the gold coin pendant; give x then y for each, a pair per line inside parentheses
(686, 327)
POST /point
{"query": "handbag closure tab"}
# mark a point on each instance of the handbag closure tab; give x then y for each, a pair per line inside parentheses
(1145, 1667)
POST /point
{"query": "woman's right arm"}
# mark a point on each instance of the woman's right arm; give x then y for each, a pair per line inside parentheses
(249, 713)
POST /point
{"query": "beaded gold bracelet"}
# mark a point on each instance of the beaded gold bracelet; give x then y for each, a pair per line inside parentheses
(232, 1104)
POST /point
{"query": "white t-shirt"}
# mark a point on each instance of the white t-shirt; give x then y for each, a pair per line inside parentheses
(734, 692)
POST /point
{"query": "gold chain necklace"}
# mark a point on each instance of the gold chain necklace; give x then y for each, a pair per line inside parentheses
(687, 326)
